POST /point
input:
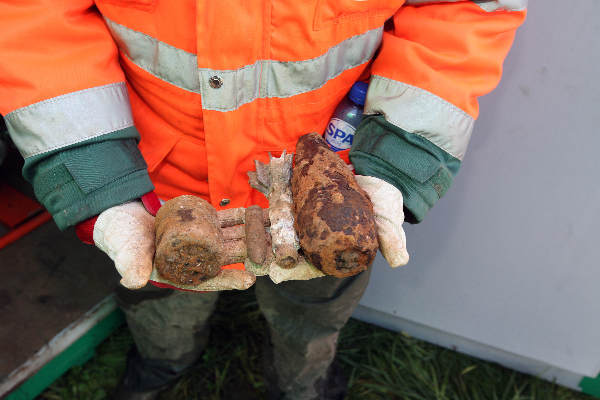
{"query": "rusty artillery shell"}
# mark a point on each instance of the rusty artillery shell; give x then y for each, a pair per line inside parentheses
(334, 217)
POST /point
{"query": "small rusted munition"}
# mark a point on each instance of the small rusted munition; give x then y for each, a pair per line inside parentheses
(189, 241)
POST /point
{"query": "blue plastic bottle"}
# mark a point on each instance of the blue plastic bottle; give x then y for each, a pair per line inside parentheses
(346, 118)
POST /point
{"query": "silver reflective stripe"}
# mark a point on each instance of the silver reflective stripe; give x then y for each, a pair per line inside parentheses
(417, 2)
(502, 5)
(418, 111)
(267, 78)
(263, 79)
(70, 118)
(487, 5)
(176, 66)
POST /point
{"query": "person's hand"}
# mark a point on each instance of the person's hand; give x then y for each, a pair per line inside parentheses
(389, 217)
(126, 234)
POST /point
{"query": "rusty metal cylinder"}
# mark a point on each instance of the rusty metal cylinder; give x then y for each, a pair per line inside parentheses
(189, 241)
(256, 236)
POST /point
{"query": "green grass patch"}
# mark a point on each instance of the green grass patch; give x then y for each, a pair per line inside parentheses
(381, 364)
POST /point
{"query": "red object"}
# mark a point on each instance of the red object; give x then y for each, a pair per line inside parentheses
(167, 286)
(16, 207)
(152, 203)
(24, 229)
(20, 213)
(85, 230)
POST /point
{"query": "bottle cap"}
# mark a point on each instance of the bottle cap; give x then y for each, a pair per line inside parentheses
(358, 93)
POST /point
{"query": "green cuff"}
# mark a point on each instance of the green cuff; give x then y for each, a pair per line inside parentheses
(80, 181)
(419, 169)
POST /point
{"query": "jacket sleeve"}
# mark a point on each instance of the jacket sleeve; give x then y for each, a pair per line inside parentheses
(65, 103)
(435, 61)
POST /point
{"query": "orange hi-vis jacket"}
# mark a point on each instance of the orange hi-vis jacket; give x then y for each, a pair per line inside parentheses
(211, 85)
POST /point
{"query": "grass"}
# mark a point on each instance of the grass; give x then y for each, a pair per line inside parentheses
(381, 364)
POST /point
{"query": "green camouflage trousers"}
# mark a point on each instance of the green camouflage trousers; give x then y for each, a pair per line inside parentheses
(304, 318)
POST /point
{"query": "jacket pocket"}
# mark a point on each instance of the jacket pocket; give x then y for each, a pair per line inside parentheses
(330, 12)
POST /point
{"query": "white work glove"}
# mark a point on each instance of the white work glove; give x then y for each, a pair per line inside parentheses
(389, 217)
(126, 234)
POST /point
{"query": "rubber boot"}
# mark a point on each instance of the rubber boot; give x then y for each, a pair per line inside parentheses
(333, 387)
(145, 379)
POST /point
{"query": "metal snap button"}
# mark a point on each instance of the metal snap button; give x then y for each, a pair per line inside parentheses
(215, 82)
(224, 202)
